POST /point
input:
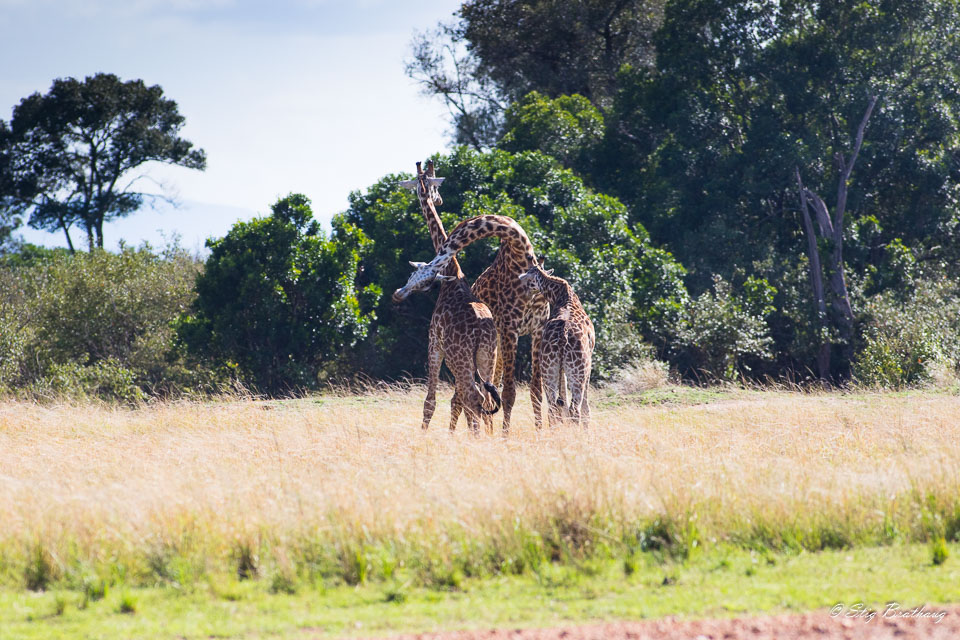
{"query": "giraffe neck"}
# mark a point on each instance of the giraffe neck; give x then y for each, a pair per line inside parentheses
(557, 291)
(514, 243)
(437, 233)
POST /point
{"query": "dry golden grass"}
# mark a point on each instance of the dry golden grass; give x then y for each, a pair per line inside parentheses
(91, 481)
(641, 376)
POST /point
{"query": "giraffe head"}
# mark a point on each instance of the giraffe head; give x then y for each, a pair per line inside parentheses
(422, 278)
(426, 185)
(535, 277)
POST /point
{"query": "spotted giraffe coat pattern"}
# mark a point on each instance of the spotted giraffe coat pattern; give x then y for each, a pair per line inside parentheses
(517, 310)
(462, 329)
(566, 348)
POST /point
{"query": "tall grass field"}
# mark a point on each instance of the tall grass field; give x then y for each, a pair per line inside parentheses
(348, 490)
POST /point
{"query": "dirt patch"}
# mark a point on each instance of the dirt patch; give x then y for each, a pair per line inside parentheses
(932, 622)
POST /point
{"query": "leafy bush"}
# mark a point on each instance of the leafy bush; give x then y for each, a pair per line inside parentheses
(277, 300)
(910, 342)
(719, 332)
(94, 324)
(13, 330)
(107, 379)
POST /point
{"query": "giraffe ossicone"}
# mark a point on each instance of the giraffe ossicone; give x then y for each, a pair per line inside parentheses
(431, 182)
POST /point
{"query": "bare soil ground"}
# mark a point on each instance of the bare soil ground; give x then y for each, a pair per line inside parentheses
(820, 625)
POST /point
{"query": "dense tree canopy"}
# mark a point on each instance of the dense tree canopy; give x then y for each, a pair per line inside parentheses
(709, 110)
(72, 156)
(499, 50)
(747, 92)
(747, 96)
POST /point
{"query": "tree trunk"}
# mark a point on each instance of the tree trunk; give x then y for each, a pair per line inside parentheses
(66, 232)
(816, 282)
(832, 229)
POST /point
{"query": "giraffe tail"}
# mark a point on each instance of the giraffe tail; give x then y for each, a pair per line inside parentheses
(492, 390)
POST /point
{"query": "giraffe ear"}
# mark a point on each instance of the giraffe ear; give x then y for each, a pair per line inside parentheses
(435, 182)
(443, 278)
(408, 184)
(549, 272)
(417, 265)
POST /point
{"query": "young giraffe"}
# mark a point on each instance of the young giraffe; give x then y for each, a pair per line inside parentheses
(462, 327)
(567, 345)
(517, 310)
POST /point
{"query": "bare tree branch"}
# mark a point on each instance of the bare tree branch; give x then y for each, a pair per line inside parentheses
(846, 167)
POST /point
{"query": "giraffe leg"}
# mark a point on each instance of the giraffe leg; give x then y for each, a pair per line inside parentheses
(578, 400)
(470, 398)
(585, 408)
(434, 360)
(576, 366)
(456, 406)
(536, 378)
(486, 358)
(585, 404)
(563, 388)
(577, 395)
(508, 344)
(550, 366)
(487, 423)
(498, 367)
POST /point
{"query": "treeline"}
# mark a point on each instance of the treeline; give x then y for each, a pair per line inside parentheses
(813, 147)
(765, 190)
(280, 305)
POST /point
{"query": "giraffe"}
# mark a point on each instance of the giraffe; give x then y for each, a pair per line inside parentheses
(462, 327)
(566, 348)
(517, 310)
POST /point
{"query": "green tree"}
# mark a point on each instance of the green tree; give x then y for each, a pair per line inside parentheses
(711, 111)
(73, 155)
(720, 334)
(707, 147)
(499, 50)
(277, 300)
(9, 220)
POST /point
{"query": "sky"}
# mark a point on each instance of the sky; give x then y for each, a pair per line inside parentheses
(306, 96)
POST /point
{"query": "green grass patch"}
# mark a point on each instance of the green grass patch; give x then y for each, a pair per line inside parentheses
(724, 581)
(673, 395)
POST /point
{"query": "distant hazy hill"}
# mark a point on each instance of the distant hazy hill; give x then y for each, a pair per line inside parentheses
(193, 222)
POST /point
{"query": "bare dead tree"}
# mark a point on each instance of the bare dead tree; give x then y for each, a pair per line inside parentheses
(840, 315)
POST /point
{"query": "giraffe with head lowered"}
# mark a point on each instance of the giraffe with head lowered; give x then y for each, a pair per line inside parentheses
(462, 329)
(566, 349)
(517, 310)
